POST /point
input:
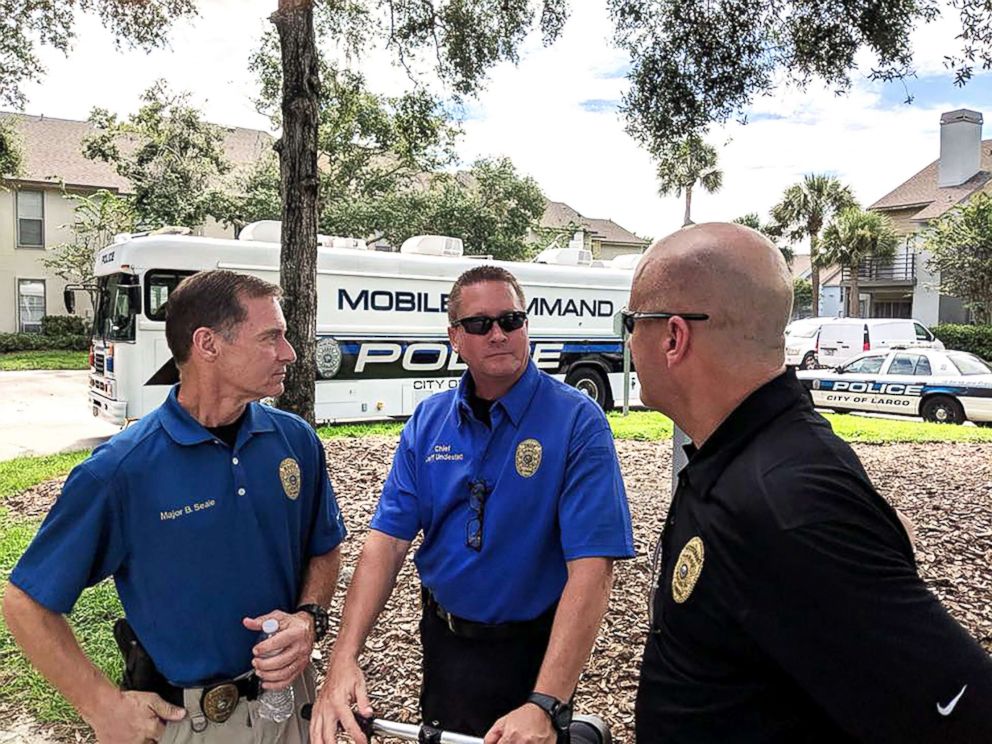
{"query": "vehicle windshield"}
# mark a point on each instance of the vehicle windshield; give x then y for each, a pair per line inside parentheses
(115, 317)
(969, 364)
(802, 328)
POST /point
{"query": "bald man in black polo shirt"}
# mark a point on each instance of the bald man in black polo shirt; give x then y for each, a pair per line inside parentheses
(788, 607)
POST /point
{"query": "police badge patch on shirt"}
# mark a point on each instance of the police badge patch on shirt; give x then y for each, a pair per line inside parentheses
(289, 474)
(528, 458)
(687, 570)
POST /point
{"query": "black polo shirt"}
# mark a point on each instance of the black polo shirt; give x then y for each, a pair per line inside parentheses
(789, 608)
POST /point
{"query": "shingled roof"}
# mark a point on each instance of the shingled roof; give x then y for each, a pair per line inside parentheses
(53, 152)
(922, 191)
(558, 215)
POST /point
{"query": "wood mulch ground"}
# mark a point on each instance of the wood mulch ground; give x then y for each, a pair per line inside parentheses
(945, 489)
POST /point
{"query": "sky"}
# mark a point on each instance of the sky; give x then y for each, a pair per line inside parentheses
(555, 114)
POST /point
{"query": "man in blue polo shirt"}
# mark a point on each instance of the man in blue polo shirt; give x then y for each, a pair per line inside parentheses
(213, 514)
(513, 481)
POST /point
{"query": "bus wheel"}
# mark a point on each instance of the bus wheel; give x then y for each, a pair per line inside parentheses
(591, 382)
(942, 410)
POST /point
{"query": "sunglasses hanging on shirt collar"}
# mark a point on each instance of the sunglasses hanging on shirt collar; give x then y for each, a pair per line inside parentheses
(480, 325)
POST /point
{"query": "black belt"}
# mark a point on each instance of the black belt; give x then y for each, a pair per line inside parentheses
(488, 631)
(219, 699)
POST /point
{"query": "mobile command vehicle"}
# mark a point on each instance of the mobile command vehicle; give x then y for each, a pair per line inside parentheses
(844, 338)
(944, 386)
(382, 323)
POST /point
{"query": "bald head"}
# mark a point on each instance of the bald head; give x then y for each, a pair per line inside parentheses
(732, 273)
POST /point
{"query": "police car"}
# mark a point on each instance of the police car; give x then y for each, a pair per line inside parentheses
(943, 386)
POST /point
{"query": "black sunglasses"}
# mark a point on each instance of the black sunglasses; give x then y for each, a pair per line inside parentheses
(630, 318)
(478, 491)
(480, 325)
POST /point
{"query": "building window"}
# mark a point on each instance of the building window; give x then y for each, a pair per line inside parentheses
(30, 219)
(30, 304)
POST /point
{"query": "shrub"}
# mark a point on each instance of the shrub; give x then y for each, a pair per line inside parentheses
(63, 325)
(10, 342)
(976, 339)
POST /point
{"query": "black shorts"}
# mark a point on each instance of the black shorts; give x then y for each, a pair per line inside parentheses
(470, 683)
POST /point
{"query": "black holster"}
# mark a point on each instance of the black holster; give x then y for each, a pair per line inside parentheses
(140, 673)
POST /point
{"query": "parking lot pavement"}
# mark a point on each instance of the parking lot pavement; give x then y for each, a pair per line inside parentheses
(46, 412)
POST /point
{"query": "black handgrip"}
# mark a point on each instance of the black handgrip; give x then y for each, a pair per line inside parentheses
(365, 724)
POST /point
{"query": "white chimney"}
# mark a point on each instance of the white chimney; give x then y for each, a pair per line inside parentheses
(960, 147)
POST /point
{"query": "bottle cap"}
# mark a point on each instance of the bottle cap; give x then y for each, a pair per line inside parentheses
(270, 626)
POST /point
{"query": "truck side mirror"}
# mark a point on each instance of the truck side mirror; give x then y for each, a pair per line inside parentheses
(618, 328)
(69, 300)
(134, 298)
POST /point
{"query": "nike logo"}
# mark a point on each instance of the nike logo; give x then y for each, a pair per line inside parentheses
(946, 710)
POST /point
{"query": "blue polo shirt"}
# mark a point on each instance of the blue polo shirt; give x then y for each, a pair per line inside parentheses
(557, 495)
(196, 535)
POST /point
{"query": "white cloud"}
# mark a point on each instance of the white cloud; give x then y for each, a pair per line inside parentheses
(534, 114)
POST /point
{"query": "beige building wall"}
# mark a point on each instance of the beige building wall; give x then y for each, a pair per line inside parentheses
(902, 219)
(25, 263)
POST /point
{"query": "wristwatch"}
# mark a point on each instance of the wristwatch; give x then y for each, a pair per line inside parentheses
(321, 621)
(560, 713)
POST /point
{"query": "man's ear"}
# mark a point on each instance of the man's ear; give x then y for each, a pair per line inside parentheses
(453, 338)
(677, 344)
(205, 344)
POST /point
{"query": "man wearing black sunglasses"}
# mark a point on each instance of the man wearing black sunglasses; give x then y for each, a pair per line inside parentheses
(788, 606)
(514, 483)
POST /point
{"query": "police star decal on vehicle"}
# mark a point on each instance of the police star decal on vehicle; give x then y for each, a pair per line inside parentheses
(940, 386)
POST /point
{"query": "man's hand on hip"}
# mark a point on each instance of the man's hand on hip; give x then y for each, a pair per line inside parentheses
(282, 658)
(133, 718)
(343, 687)
(528, 724)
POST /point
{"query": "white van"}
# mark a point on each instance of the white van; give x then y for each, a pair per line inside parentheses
(800, 342)
(842, 339)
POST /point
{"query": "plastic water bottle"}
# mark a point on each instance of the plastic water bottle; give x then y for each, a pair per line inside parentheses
(274, 705)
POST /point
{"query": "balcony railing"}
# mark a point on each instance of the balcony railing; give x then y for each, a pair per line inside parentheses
(900, 269)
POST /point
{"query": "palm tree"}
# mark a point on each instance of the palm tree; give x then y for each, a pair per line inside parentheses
(683, 165)
(770, 231)
(803, 211)
(854, 236)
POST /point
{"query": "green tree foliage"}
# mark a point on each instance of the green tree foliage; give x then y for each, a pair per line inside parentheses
(770, 231)
(97, 218)
(684, 164)
(802, 297)
(804, 209)
(960, 246)
(11, 151)
(696, 63)
(28, 24)
(491, 208)
(173, 159)
(854, 236)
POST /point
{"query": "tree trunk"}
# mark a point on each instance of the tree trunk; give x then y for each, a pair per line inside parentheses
(297, 150)
(814, 274)
(687, 220)
(854, 300)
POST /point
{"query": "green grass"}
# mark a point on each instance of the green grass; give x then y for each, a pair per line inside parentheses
(24, 472)
(92, 621)
(886, 431)
(22, 360)
(376, 428)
